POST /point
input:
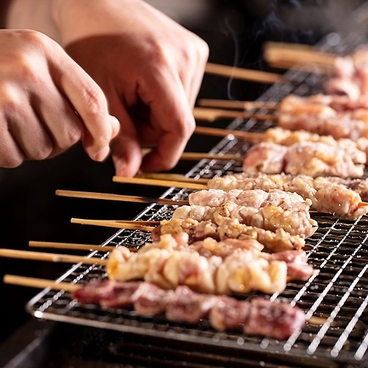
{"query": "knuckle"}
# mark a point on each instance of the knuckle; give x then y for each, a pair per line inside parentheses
(204, 52)
(10, 160)
(156, 52)
(9, 99)
(168, 164)
(94, 100)
(185, 129)
(70, 136)
(33, 37)
(26, 69)
(73, 136)
(102, 140)
(42, 153)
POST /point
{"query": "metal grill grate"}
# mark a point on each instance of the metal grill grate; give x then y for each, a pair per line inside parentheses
(338, 293)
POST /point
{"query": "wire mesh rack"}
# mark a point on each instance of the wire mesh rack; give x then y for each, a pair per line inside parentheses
(337, 294)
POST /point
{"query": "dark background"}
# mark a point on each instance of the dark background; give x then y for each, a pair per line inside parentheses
(235, 32)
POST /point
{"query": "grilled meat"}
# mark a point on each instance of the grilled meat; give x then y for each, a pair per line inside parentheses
(228, 228)
(295, 221)
(327, 194)
(259, 317)
(305, 158)
(209, 267)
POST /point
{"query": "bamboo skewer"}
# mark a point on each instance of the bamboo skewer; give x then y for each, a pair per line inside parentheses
(177, 177)
(118, 197)
(49, 257)
(210, 115)
(39, 283)
(244, 74)
(77, 246)
(241, 105)
(197, 156)
(286, 55)
(225, 132)
(193, 184)
(74, 246)
(119, 224)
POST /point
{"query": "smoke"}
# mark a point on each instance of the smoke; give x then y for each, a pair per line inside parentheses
(252, 23)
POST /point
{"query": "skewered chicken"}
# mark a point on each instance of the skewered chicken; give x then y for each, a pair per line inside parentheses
(338, 102)
(295, 221)
(255, 198)
(227, 228)
(241, 270)
(259, 317)
(322, 119)
(306, 158)
(350, 76)
(326, 194)
(287, 137)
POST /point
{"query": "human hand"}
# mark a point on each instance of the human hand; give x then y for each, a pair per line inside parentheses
(47, 102)
(150, 69)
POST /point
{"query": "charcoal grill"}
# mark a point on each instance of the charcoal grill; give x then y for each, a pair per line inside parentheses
(337, 295)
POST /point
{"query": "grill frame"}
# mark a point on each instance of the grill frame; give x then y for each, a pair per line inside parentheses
(338, 250)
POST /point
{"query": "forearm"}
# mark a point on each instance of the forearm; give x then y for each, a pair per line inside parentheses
(30, 14)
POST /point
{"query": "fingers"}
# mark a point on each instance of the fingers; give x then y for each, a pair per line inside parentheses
(90, 104)
(193, 68)
(125, 148)
(48, 102)
(172, 115)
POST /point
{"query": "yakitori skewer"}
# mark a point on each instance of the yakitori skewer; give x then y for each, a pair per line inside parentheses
(73, 246)
(342, 197)
(299, 103)
(165, 257)
(348, 73)
(49, 257)
(77, 246)
(318, 115)
(244, 74)
(173, 176)
(118, 197)
(277, 150)
(196, 156)
(218, 132)
(288, 55)
(161, 182)
(184, 305)
(211, 115)
(34, 282)
(235, 104)
(113, 197)
(286, 137)
(119, 224)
